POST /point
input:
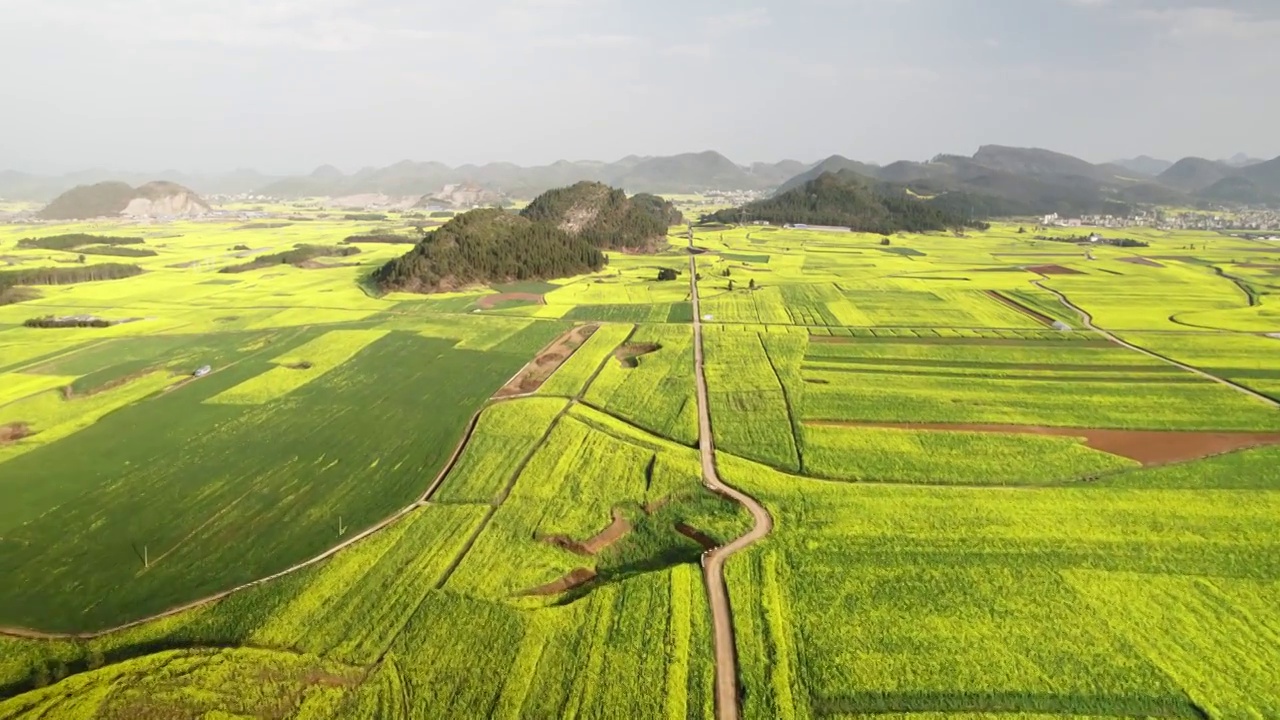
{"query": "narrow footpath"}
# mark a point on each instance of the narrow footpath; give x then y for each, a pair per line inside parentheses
(1087, 319)
(726, 657)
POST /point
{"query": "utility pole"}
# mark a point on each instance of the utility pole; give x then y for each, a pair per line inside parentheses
(341, 530)
(146, 558)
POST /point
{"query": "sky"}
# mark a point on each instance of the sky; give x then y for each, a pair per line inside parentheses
(285, 85)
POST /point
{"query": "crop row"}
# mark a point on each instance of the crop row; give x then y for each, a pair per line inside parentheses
(1079, 403)
(901, 600)
(892, 455)
(654, 388)
(302, 365)
(506, 432)
(215, 495)
(572, 377)
(945, 333)
(750, 408)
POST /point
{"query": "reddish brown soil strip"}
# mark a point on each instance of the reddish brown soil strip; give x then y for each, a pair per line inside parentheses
(576, 578)
(592, 546)
(1053, 270)
(1019, 307)
(1149, 447)
(14, 432)
(531, 377)
(696, 535)
(1141, 261)
(629, 353)
(489, 302)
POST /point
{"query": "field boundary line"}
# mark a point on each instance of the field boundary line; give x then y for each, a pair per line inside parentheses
(31, 634)
(727, 692)
(498, 501)
(796, 425)
(1088, 323)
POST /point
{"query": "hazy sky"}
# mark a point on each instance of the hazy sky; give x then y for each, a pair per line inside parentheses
(285, 85)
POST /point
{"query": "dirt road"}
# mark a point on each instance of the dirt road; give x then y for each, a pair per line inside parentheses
(1088, 322)
(713, 560)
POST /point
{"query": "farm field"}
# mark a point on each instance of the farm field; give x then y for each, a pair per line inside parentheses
(981, 508)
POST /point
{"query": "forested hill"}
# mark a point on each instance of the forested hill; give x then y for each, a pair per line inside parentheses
(561, 233)
(486, 246)
(846, 199)
(605, 217)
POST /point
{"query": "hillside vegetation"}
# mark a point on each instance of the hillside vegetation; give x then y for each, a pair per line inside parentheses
(847, 199)
(605, 217)
(485, 246)
(561, 233)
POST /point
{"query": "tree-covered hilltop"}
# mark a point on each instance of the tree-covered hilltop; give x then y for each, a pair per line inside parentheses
(846, 199)
(488, 246)
(605, 217)
(561, 233)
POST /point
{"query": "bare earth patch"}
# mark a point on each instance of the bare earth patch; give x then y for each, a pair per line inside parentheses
(576, 578)
(629, 353)
(592, 546)
(1053, 270)
(1149, 447)
(489, 302)
(14, 432)
(531, 376)
(1019, 307)
(1141, 261)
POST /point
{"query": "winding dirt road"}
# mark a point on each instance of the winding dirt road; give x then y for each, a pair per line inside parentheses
(713, 560)
(1087, 319)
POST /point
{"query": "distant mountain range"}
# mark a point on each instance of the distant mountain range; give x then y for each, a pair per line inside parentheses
(690, 172)
(1016, 180)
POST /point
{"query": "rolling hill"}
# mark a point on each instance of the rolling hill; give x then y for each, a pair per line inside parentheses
(115, 199)
(847, 199)
(563, 232)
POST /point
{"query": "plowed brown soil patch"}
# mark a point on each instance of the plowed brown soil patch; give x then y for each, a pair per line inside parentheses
(1149, 447)
(1053, 270)
(14, 432)
(592, 546)
(531, 376)
(488, 302)
(1141, 261)
(576, 578)
(1014, 304)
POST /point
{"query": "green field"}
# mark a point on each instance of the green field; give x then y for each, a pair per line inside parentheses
(952, 538)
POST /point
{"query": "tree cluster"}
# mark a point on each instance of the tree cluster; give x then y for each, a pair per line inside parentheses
(298, 255)
(67, 275)
(487, 246)
(71, 241)
(846, 200)
(118, 251)
(51, 321)
(665, 274)
(1088, 239)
